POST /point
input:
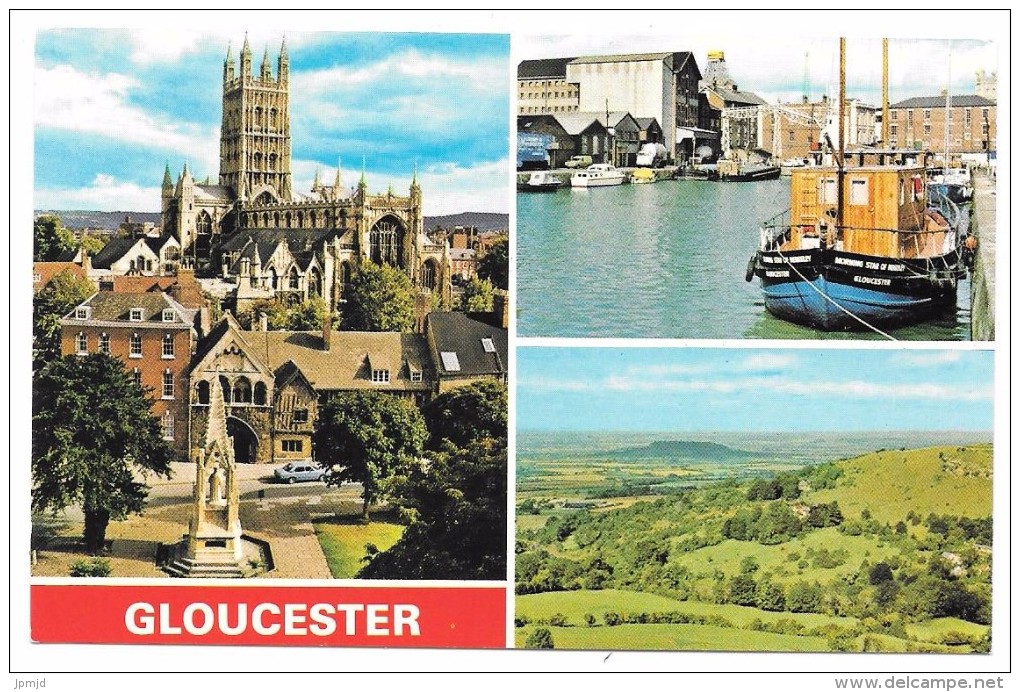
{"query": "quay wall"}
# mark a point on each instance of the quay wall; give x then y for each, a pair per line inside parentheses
(982, 285)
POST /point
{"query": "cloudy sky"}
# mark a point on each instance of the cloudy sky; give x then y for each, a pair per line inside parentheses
(775, 66)
(112, 107)
(713, 389)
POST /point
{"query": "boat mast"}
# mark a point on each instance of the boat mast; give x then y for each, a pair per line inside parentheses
(949, 112)
(885, 93)
(842, 138)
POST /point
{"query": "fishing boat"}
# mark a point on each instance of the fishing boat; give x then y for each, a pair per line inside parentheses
(597, 175)
(540, 181)
(732, 172)
(861, 246)
(954, 183)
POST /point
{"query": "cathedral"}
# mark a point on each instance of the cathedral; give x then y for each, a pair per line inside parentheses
(250, 227)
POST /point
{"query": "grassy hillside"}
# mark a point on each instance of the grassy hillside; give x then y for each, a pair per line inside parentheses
(886, 551)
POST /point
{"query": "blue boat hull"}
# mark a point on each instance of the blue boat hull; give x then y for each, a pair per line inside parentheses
(845, 292)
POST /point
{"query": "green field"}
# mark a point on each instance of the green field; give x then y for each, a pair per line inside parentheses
(343, 542)
(887, 551)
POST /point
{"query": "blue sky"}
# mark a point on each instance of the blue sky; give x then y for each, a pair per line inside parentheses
(722, 389)
(112, 107)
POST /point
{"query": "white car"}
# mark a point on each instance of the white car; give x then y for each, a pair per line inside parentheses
(298, 471)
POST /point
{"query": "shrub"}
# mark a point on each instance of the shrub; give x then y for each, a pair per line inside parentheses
(540, 639)
(95, 567)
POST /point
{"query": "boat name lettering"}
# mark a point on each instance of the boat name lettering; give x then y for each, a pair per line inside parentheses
(799, 259)
(849, 262)
(778, 273)
(872, 280)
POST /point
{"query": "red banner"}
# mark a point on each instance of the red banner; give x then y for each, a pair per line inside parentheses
(375, 616)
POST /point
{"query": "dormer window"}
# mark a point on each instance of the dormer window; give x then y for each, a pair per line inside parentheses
(416, 376)
(488, 346)
(380, 376)
(135, 315)
(168, 315)
(450, 361)
(81, 313)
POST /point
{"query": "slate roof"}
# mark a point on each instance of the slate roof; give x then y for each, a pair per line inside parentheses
(548, 68)
(631, 57)
(302, 243)
(347, 365)
(645, 123)
(108, 306)
(115, 249)
(217, 193)
(576, 123)
(940, 101)
(743, 98)
(455, 332)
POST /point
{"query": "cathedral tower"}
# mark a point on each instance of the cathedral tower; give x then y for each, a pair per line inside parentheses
(255, 132)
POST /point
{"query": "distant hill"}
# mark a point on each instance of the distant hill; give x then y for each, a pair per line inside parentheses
(110, 220)
(685, 450)
(482, 220)
(85, 220)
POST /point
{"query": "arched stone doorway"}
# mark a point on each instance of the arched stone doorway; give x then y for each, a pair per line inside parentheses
(246, 442)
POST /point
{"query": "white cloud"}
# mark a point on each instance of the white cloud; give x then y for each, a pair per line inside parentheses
(105, 193)
(67, 99)
(410, 64)
(924, 359)
(452, 189)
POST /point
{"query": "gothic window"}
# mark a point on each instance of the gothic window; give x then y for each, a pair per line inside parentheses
(242, 391)
(314, 283)
(311, 219)
(428, 274)
(258, 161)
(203, 238)
(286, 219)
(225, 386)
(265, 219)
(203, 392)
(259, 397)
(386, 243)
(345, 274)
(258, 116)
(272, 160)
(300, 219)
(272, 117)
(266, 198)
(276, 219)
(293, 280)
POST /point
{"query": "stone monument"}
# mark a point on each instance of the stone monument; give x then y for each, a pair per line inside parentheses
(214, 546)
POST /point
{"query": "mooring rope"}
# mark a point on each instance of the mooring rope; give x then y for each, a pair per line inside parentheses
(830, 299)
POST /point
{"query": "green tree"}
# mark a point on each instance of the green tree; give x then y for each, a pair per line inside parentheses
(92, 429)
(378, 299)
(770, 596)
(64, 291)
(274, 310)
(468, 413)
(541, 638)
(494, 265)
(51, 239)
(369, 438)
(477, 296)
(307, 315)
(742, 590)
(456, 506)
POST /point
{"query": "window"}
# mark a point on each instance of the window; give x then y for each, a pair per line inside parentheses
(81, 313)
(892, 130)
(82, 343)
(136, 375)
(894, 115)
(135, 315)
(136, 345)
(293, 445)
(167, 423)
(381, 376)
(859, 191)
(300, 415)
(927, 129)
(168, 315)
(927, 114)
(488, 346)
(104, 343)
(827, 190)
(450, 361)
(416, 376)
(168, 346)
(966, 117)
(168, 384)
(203, 391)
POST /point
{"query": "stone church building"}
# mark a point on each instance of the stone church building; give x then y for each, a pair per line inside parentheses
(251, 227)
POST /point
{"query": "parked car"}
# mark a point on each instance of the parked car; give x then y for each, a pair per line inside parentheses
(298, 471)
(578, 162)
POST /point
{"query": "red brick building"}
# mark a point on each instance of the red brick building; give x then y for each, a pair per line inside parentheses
(154, 336)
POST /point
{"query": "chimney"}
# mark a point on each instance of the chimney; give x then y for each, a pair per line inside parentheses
(501, 308)
(327, 330)
(263, 322)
